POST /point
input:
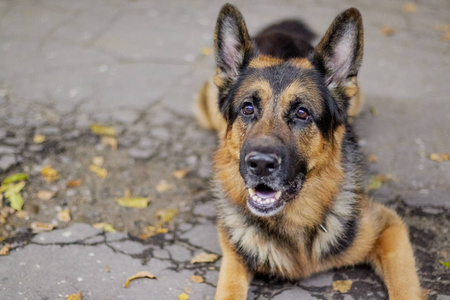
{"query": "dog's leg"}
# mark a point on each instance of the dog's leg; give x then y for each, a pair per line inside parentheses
(234, 277)
(393, 259)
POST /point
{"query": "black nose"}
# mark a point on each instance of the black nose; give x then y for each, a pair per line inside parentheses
(262, 164)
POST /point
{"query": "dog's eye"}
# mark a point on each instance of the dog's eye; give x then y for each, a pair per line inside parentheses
(248, 109)
(302, 113)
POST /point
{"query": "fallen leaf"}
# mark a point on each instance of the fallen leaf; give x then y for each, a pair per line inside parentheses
(15, 178)
(45, 195)
(22, 215)
(37, 227)
(440, 157)
(446, 36)
(149, 231)
(12, 193)
(163, 186)
(73, 183)
(136, 202)
(342, 286)
(5, 250)
(104, 226)
(197, 278)
(101, 172)
(49, 173)
(107, 269)
(445, 28)
(98, 160)
(76, 296)
(409, 7)
(142, 274)
(166, 215)
(206, 51)
(64, 216)
(446, 264)
(373, 111)
(204, 258)
(178, 174)
(109, 141)
(372, 158)
(377, 181)
(39, 139)
(188, 290)
(103, 130)
(387, 30)
(183, 296)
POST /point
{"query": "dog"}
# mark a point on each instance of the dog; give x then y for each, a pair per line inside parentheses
(288, 171)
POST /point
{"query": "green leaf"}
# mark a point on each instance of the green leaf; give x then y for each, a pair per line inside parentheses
(15, 177)
(14, 188)
(16, 201)
(446, 264)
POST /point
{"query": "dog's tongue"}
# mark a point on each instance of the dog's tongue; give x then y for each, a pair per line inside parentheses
(265, 194)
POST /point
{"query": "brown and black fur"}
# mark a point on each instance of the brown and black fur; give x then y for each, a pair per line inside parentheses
(281, 111)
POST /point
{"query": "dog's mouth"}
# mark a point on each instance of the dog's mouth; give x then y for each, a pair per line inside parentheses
(265, 201)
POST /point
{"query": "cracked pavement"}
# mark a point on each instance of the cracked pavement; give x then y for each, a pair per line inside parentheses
(136, 65)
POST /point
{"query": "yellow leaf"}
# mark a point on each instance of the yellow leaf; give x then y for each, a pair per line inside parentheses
(183, 296)
(342, 286)
(98, 160)
(101, 172)
(206, 51)
(440, 157)
(39, 139)
(64, 216)
(372, 158)
(409, 7)
(149, 231)
(103, 130)
(204, 258)
(49, 173)
(387, 31)
(166, 215)
(37, 227)
(5, 250)
(142, 274)
(22, 215)
(136, 202)
(180, 173)
(109, 141)
(104, 226)
(163, 186)
(197, 278)
(45, 195)
(73, 183)
(76, 296)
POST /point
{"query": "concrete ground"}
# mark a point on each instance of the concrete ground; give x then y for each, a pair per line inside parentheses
(136, 65)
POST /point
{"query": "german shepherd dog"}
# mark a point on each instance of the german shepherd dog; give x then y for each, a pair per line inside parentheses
(288, 172)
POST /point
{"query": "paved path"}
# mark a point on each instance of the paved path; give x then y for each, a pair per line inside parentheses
(136, 65)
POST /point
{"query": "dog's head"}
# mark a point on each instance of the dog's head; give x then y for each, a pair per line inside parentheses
(285, 118)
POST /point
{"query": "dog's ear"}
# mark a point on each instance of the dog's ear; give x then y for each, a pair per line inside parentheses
(339, 53)
(233, 46)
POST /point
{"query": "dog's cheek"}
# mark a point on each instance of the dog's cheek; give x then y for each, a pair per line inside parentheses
(235, 139)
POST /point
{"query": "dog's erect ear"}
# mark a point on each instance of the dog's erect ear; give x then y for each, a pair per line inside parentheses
(233, 46)
(340, 52)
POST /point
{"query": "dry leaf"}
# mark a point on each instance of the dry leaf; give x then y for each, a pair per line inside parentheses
(409, 7)
(5, 250)
(45, 195)
(104, 226)
(163, 186)
(188, 290)
(372, 158)
(49, 173)
(377, 181)
(180, 173)
(64, 216)
(387, 30)
(73, 183)
(196, 278)
(149, 231)
(103, 130)
(142, 274)
(76, 296)
(166, 215)
(136, 202)
(342, 286)
(101, 172)
(183, 296)
(98, 160)
(39, 139)
(206, 51)
(37, 227)
(440, 157)
(109, 141)
(22, 215)
(204, 258)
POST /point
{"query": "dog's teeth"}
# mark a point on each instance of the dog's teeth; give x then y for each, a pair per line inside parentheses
(272, 200)
(278, 195)
(251, 192)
